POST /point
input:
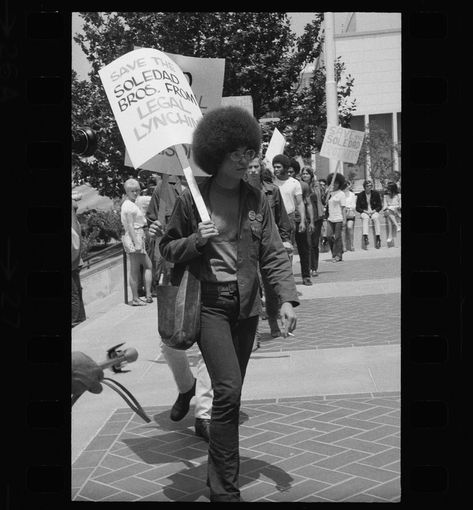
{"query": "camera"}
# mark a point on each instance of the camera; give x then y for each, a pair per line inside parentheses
(84, 141)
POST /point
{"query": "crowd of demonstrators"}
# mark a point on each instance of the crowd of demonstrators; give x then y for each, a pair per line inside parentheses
(199, 386)
(336, 214)
(134, 242)
(291, 192)
(262, 178)
(350, 207)
(317, 198)
(301, 235)
(392, 212)
(369, 205)
(225, 253)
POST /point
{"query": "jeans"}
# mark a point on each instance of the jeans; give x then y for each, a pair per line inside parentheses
(226, 344)
(314, 239)
(335, 238)
(365, 221)
(303, 249)
(178, 362)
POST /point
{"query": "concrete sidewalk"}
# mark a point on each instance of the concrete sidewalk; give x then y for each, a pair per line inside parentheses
(337, 379)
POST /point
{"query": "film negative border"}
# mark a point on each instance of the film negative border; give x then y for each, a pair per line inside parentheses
(35, 53)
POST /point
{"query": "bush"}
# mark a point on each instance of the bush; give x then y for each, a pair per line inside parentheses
(99, 228)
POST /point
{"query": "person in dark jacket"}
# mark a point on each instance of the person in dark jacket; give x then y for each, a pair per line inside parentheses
(225, 253)
(369, 204)
(262, 178)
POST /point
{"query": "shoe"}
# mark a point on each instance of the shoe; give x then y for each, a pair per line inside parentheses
(201, 427)
(137, 302)
(306, 281)
(314, 273)
(149, 299)
(378, 243)
(181, 405)
(336, 259)
(365, 242)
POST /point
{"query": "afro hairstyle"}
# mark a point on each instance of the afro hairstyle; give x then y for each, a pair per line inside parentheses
(339, 178)
(282, 159)
(221, 131)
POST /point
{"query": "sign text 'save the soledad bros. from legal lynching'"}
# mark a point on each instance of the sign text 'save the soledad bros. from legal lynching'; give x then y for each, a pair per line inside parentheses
(152, 102)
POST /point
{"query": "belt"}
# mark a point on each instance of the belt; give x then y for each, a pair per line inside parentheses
(221, 286)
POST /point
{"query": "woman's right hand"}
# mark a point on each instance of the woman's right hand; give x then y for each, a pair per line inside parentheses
(206, 230)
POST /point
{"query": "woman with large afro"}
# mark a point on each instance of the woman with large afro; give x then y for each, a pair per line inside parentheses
(225, 253)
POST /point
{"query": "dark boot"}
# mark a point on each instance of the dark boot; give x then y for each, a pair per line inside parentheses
(378, 242)
(365, 242)
(201, 427)
(181, 406)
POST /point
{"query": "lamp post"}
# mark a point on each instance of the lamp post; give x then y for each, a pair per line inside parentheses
(330, 83)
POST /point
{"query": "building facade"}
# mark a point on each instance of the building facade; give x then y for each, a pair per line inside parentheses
(369, 44)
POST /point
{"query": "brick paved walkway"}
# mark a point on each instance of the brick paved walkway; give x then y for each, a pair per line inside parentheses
(330, 448)
(333, 448)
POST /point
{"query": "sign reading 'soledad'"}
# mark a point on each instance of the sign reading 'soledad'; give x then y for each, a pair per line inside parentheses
(342, 144)
(152, 102)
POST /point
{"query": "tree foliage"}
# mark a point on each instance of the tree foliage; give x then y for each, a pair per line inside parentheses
(263, 58)
(379, 147)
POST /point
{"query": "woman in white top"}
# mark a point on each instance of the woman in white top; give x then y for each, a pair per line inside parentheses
(336, 215)
(350, 208)
(392, 212)
(134, 221)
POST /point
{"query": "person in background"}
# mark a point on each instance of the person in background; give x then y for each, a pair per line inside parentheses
(336, 215)
(225, 253)
(188, 386)
(350, 205)
(368, 204)
(323, 232)
(392, 212)
(261, 178)
(134, 241)
(318, 208)
(291, 192)
(301, 237)
(77, 302)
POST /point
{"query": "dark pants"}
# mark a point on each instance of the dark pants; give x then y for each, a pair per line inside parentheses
(314, 239)
(303, 250)
(335, 238)
(78, 310)
(226, 344)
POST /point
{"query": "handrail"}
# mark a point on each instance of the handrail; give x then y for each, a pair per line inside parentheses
(101, 255)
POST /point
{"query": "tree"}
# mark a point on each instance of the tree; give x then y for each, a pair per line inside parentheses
(263, 58)
(304, 118)
(379, 146)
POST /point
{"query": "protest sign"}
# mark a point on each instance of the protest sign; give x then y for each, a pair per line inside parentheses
(205, 77)
(342, 144)
(276, 146)
(245, 102)
(152, 102)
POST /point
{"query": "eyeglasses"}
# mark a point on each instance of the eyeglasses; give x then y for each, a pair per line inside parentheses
(249, 154)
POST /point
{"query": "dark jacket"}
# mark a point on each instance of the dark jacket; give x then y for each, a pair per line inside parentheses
(279, 211)
(153, 211)
(259, 244)
(375, 201)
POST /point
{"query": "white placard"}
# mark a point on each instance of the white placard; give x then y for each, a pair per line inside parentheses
(342, 144)
(152, 102)
(276, 146)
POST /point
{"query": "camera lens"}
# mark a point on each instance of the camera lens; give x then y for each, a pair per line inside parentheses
(84, 141)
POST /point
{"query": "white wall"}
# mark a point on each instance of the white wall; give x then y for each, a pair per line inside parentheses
(375, 63)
